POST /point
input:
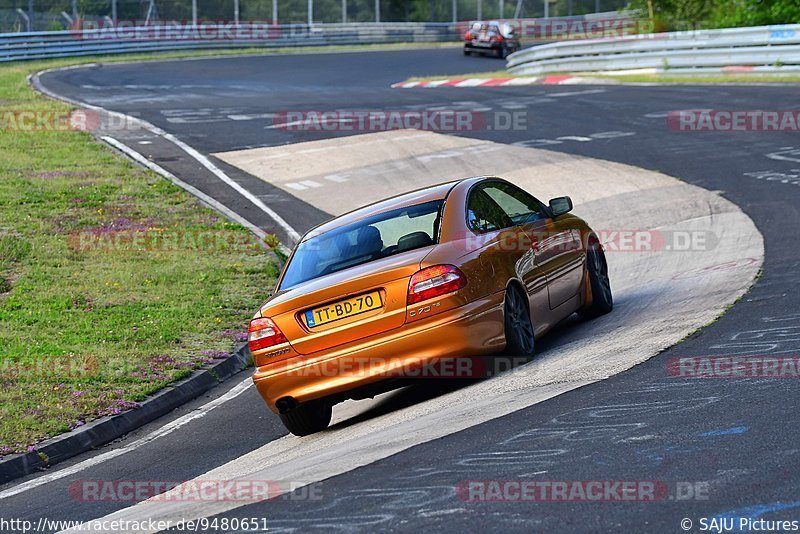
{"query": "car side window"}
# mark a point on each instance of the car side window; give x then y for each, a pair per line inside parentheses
(518, 205)
(483, 213)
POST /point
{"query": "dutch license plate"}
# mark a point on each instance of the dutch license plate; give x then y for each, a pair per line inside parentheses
(343, 309)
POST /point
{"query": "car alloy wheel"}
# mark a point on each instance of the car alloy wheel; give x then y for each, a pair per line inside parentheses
(519, 330)
(599, 283)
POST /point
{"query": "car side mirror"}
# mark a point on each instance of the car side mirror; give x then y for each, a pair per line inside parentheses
(560, 206)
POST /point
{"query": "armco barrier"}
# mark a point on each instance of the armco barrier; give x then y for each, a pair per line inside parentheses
(102, 37)
(761, 48)
(84, 42)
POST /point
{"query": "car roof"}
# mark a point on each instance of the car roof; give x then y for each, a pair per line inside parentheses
(419, 196)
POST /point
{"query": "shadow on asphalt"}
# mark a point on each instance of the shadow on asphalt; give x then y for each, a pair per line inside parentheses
(426, 389)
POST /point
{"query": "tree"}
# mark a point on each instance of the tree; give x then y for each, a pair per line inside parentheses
(688, 14)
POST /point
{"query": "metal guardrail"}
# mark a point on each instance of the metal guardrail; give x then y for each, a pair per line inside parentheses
(119, 40)
(99, 37)
(760, 48)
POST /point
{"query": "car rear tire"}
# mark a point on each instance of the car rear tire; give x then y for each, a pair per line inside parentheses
(519, 328)
(466, 52)
(307, 418)
(602, 300)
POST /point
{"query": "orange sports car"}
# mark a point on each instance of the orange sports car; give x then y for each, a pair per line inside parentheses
(452, 272)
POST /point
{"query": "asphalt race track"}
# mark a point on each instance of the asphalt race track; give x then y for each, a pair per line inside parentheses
(733, 440)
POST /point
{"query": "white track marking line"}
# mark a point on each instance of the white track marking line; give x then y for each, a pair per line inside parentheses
(214, 204)
(337, 148)
(578, 93)
(522, 81)
(165, 430)
(251, 117)
(194, 120)
(471, 82)
(180, 183)
(291, 233)
(573, 138)
(284, 125)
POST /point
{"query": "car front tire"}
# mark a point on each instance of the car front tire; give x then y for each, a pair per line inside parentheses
(602, 300)
(307, 418)
(519, 328)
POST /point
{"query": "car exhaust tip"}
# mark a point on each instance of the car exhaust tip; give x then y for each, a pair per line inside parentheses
(285, 404)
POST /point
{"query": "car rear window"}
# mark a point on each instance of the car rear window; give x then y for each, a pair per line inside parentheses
(369, 239)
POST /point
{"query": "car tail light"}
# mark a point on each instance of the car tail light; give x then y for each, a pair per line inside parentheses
(468, 36)
(434, 281)
(263, 333)
(498, 38)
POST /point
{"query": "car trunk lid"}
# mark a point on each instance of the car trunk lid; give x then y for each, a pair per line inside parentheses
(342, 307)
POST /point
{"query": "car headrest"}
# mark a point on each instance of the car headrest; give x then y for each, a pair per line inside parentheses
(413, 240)
(368, 241)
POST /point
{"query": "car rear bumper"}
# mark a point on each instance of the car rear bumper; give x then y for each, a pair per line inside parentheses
(482, 47)
(473, 329)
(488, 47)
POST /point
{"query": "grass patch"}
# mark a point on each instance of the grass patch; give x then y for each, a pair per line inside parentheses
(92, 320)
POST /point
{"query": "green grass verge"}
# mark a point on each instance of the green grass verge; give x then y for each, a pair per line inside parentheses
(113, 282)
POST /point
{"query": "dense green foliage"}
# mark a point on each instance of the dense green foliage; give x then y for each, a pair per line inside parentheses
(688, 14)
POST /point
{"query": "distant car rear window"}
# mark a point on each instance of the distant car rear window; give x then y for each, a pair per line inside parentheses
(372, 238)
